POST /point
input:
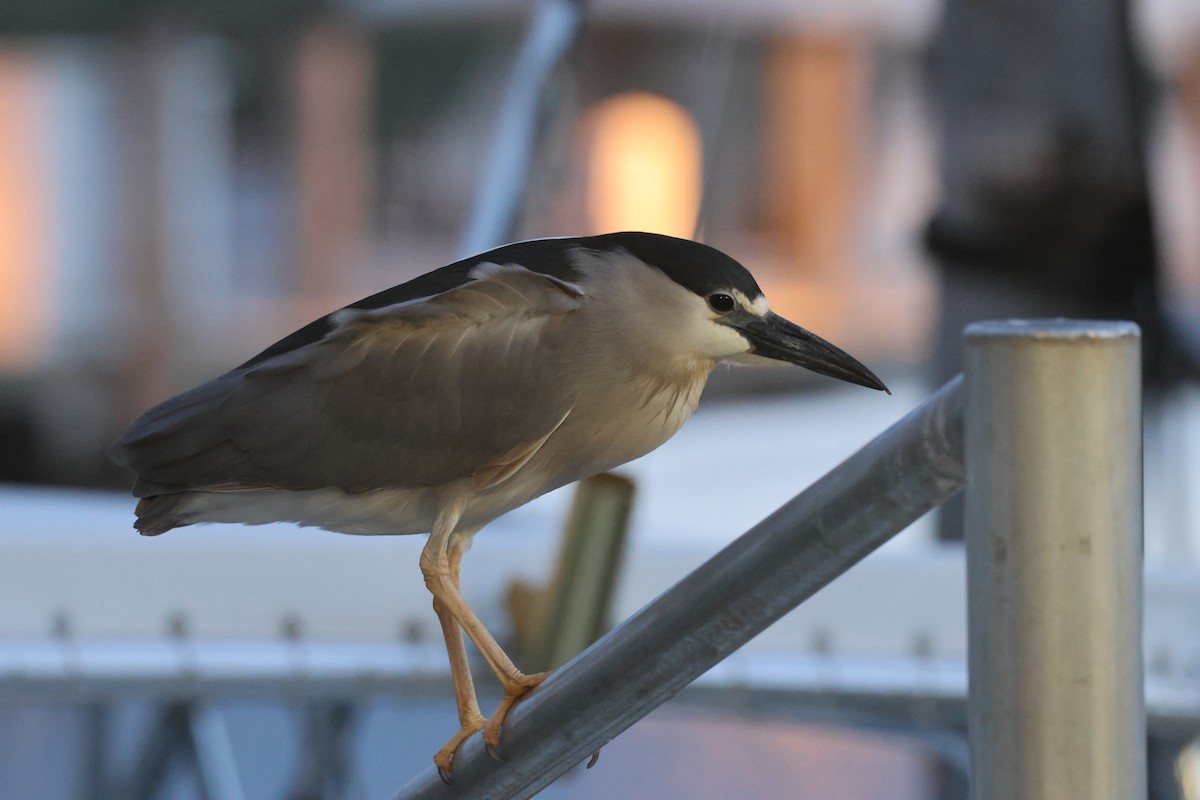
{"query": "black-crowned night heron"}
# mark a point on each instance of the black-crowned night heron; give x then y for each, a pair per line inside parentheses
(442, 403)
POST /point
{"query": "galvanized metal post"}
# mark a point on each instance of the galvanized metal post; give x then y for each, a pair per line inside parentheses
(1054, 560)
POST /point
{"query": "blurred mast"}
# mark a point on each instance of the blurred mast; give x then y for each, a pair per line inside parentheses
(526, 117)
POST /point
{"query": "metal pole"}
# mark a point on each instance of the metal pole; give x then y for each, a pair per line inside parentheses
(216, 764)
(785, 559)
(580, 599)
(1054, 560)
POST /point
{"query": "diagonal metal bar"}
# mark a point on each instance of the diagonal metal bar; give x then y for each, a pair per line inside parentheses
(819, 534)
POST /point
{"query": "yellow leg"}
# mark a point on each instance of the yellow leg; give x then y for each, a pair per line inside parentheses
(469, 717)
(441, 572)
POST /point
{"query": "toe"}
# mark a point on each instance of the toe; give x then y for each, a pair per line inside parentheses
(514, 690)
(491, 733)
(531, 682)
(444, 758)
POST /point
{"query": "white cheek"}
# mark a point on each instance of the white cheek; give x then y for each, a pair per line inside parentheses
(721, 341)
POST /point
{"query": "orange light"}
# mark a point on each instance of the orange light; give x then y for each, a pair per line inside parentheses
(644, 166)
(24, 256)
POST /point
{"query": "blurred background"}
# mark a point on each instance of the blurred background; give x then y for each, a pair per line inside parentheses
(181, 184)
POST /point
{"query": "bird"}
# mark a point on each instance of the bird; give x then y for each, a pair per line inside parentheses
(442, 403)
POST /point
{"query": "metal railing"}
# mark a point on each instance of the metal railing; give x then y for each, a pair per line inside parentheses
(1040, 398)
(1054, 560)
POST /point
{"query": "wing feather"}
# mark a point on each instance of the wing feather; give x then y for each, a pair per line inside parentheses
(465, 384)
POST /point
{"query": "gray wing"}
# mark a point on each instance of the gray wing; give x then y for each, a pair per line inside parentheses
(467, 383)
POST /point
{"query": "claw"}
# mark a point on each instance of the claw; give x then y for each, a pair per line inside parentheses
(592, 761)
(491, 751)
(444, 758)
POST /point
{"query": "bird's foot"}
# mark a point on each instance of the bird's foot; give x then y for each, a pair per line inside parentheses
(514, 690)
(444, 758)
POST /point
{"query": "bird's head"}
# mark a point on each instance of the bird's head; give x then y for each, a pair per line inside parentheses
(716, 308)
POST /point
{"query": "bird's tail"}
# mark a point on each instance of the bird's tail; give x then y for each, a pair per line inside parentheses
(159, 513)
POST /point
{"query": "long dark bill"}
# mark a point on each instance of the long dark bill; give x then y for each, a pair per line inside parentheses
(774, 337)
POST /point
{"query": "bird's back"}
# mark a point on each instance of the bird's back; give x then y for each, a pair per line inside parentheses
(457, 386)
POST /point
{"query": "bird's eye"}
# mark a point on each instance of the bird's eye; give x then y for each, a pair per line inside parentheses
(720, 303)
